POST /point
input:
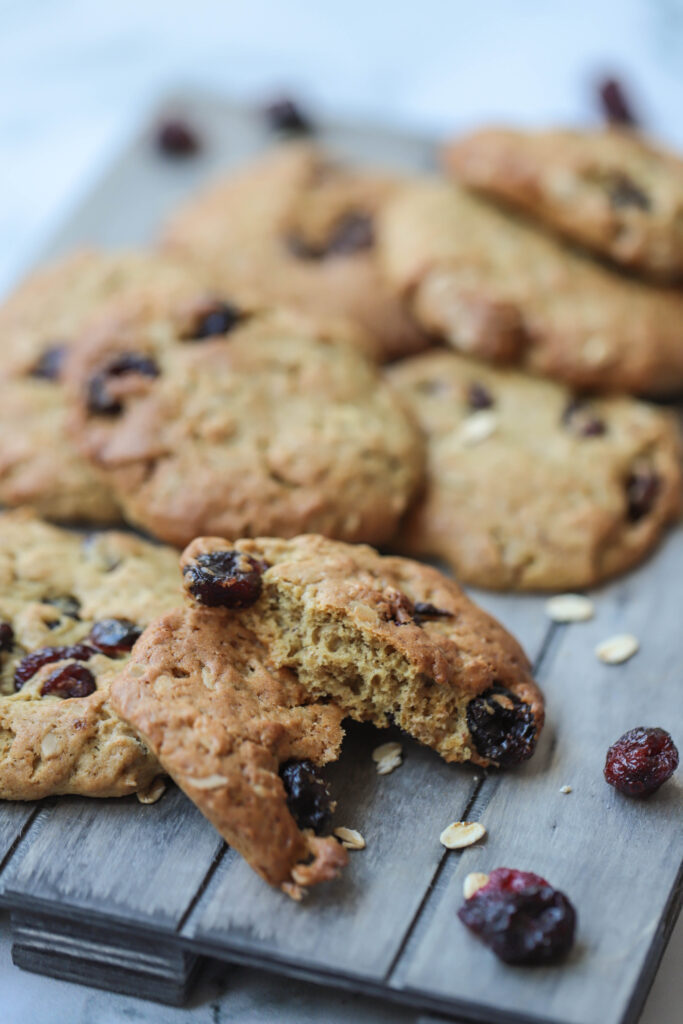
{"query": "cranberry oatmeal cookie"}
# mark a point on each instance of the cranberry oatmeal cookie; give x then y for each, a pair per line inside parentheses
(299, 228)
(529, 487)
(39, 465)
(496, 287)
(231, 729)
(610, 191)
(227, 418)
(387, 639)
(71, 608)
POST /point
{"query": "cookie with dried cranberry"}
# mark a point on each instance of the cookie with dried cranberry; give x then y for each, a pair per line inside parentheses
(299, 228)
(611, 191)
(387, 639)
(218, 417)
(71, 608)
(529, 487)
(235, 734)
(39, 324)
(499, 288)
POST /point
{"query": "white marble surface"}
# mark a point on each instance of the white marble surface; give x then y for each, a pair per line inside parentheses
(76, 76)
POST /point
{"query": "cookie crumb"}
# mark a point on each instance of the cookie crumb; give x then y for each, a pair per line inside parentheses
(565, 789)
(461, 834)
(350, 838)
(569, 608)
(473, 882)
(478, 427)
(617, 649)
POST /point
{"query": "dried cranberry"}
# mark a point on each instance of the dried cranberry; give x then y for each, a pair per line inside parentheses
(479, 396)
(99, 399)
(308, 795)
(49, 365)
(29, 665)
(114, 636)
(426, 610)
(6, 636)
(623, 192)
(615, 105)
(216, 319)
(177, 138)
(67, 604)
(581, 420)
(228, 578)
(502, 726)
(283, 115)
(642, 488)
(70, 681)
(641, 761)
(521, 917)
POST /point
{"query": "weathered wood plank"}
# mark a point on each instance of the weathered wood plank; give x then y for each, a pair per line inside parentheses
(618, 859)
(14, 819)
(119, 858)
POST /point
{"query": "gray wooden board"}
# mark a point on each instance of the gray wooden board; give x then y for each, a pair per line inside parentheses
(389, 925)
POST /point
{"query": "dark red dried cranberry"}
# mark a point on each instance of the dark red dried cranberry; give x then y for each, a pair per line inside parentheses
(6, 636)
(623, 192)
(49, 365)
(100, 400)
(641, 761)
(114, 636)
(29, 665)
(284, 115)
(67, 604)
(426, 610)
(615, 105)
(217, 319)
(70, 681)
(642, 488)
(228, 578)
(308, 795)
(521, 918)
(479, 396)
(177, 138)
(502, 726)
(581, 420)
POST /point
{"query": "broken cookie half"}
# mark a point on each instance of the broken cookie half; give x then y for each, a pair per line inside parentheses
(387, 639)
(240, 738)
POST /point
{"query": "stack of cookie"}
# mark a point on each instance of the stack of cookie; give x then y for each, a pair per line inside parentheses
(317, 358)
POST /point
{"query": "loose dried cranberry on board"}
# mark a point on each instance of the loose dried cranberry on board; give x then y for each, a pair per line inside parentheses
(521, 917)
(70, 681)
(641, 761)
(615, 105)
(177, 138)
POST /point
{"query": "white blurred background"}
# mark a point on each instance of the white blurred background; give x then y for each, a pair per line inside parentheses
(77, 77)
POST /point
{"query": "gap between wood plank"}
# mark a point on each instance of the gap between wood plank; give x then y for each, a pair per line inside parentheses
(548, 642)
(201, 888)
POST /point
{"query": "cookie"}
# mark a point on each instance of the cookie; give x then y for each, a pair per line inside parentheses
(71, 608)
(529, 487)
(200, 691)
(495, 287)
(39, 465)
(611, 191)
(299, 228)
(388, 639)
(230, 419)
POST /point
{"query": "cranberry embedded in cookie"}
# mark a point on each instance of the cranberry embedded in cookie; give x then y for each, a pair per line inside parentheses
(502, 727)
(70, 681)
(101, 400)
(228, 578)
